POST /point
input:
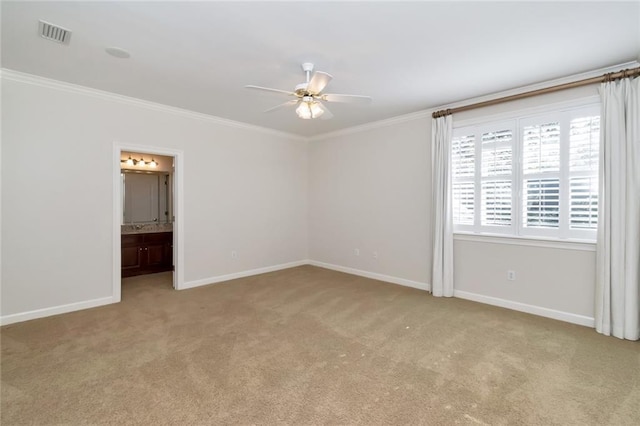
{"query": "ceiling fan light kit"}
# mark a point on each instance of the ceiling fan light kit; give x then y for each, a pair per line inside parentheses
(309, 95)
(309, 108)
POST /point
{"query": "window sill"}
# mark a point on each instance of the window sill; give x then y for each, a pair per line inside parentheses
(581, 245)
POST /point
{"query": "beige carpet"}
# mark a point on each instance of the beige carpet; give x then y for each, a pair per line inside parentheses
(311, 346)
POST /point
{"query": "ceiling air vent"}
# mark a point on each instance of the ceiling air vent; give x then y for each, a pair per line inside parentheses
(54, 32)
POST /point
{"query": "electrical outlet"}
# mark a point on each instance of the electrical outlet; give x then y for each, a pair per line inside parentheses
(234, 254)
(511, 275)
(375, 254)
(356, 252)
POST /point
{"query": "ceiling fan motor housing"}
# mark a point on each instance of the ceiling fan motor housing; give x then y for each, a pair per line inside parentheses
(301, 89)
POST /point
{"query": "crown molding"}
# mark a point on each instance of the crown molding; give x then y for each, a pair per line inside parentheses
(427, 112)
(35, 80)
(541, 85)
(374, 125)
(18, 76)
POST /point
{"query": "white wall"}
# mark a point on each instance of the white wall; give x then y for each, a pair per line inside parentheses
(371, 189)
(253, 191)
(244, 189)
(557, 279)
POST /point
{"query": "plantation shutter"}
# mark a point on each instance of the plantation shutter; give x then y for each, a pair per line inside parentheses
(496, 178)
(464, 169)
(584, 144)
(541, 175)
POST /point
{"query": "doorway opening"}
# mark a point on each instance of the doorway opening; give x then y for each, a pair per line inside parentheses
(148, 218)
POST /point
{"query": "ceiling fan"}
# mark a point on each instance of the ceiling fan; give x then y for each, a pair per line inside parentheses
(309, 97)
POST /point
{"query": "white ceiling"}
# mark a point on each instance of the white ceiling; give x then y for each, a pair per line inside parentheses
(408, 56)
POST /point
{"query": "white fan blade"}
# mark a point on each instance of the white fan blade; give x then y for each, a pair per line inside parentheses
(327, 114)
(318, 82)
(288, 103)
(331, 97)
(269, 89)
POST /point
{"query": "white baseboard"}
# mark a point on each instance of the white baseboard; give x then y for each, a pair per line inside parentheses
(78, 306)
(517, 306)
(242, 274)
(56, 310)
(372, 275)
(530, 309)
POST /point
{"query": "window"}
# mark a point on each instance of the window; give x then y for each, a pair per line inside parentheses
(532, 176)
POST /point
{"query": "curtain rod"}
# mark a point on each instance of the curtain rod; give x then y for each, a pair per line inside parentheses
(627, 73)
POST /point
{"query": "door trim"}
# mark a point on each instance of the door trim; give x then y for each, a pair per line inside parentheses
(178, 211)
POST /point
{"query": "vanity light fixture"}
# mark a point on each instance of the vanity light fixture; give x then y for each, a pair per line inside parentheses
(130, 162)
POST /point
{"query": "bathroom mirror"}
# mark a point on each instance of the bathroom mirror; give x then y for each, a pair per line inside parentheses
(146, 197)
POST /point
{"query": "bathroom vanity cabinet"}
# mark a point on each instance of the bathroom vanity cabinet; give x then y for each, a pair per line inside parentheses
(146, 253)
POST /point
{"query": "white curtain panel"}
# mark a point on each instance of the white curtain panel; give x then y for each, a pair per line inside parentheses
(618, 249)
(442, 216)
